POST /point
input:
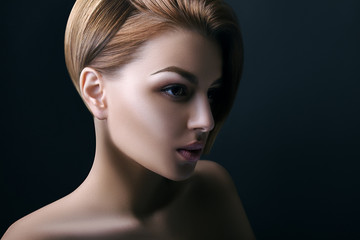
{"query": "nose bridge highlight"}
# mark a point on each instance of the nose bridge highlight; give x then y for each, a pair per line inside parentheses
(201, 116)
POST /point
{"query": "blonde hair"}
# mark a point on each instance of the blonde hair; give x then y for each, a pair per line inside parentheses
(106, 34)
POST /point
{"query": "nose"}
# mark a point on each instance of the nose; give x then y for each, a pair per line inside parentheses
(201, 117)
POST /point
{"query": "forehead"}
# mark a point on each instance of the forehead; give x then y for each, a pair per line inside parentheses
(185, 49)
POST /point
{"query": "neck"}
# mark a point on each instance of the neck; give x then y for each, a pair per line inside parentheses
(122, 185)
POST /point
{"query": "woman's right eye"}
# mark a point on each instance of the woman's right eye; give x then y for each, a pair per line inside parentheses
(176, 91)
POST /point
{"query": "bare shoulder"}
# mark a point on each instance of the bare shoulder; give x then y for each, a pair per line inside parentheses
(28, 227)
(210, 175)
(48, 222)
(16, 231)
(214, 189)
(43, 223)
(69, 219)
(212, 171)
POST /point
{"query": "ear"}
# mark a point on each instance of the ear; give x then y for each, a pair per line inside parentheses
(93, 92)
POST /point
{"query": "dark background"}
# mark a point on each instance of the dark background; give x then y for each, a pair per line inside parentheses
(291, 142)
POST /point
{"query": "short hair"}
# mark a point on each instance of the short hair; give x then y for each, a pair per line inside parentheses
(106, 34)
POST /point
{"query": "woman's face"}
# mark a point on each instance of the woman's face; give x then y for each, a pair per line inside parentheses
(159, 111)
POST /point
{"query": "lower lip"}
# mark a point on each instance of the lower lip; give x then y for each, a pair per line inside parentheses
(190, 156)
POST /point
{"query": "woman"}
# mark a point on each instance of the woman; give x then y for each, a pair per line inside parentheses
(159, 77)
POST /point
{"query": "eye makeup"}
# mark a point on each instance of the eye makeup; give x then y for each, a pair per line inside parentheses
(177, 92)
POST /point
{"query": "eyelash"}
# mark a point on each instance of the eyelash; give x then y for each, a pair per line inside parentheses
(184, 93)
(170, 91)
(212, 92)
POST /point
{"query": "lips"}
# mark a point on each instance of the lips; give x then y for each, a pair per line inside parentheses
(191, 152)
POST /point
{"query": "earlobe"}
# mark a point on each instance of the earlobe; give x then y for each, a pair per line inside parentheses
(93, 92)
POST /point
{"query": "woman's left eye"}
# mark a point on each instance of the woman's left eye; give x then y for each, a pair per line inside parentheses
(176, 91)
(213, 94)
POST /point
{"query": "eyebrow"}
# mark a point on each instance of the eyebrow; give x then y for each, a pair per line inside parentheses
(183, 73)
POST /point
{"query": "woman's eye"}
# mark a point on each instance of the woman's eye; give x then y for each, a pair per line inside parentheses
(175, 91)
(212, 92)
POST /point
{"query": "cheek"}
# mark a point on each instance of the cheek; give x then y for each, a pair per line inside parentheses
(144, 120)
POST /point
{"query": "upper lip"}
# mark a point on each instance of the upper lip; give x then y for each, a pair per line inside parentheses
(194, 146)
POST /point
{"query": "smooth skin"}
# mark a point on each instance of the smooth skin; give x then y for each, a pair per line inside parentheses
(139, 186)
